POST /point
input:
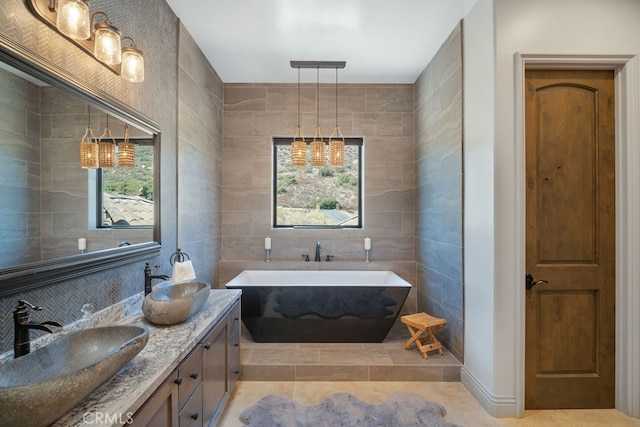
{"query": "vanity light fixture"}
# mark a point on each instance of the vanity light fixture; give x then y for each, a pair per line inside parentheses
(132, 62)
(298, 145)
(89, 147)
(126, 151)
(107, 150)
(336, 140)
(71, 19)
(317, 145)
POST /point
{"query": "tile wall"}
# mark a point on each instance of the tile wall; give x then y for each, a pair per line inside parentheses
(381, 114)
(438, 153)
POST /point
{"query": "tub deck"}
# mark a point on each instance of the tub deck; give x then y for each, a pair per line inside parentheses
(385, 361)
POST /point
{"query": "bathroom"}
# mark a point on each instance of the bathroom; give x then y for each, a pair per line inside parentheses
(221, 214)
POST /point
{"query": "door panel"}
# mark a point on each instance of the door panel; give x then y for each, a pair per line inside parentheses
(570, 239)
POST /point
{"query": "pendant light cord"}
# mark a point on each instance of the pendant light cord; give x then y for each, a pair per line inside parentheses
(336, 97)
(318, 96)
(298, 98)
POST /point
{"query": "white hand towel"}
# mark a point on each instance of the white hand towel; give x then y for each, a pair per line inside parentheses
(183, 272)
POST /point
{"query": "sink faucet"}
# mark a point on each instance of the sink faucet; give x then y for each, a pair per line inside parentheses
(317, 258)
(22, 324)
(148, 277)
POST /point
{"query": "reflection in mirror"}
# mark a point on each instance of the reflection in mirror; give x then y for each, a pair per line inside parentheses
(48, 201)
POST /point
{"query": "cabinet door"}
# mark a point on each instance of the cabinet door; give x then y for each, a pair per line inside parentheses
(214, 382)
(161, 409)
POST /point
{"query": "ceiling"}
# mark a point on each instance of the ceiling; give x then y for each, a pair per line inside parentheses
(382, 41)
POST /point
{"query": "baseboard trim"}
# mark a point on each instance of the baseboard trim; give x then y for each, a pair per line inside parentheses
(496, 406)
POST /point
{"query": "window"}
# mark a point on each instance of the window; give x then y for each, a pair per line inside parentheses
(124, 196)
(317, 197)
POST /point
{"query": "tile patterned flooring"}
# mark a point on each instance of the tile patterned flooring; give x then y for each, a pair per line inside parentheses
(311, 372)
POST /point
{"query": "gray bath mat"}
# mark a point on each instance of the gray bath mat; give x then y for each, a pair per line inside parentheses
(343, 409)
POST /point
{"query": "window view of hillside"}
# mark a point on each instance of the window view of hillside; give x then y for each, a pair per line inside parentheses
(128, 192)
(317, 196)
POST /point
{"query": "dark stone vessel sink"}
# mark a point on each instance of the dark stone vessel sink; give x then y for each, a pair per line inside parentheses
(176, 303)
(38, 388)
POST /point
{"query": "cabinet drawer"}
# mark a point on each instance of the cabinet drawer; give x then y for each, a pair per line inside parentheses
(234, 318)
(189, 376)
(234, 373)
(191, 414)
(234, 345)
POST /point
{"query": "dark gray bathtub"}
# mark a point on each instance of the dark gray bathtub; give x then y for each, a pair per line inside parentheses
(320, 306)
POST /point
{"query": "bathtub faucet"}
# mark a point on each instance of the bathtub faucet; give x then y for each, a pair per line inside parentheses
(317, 258)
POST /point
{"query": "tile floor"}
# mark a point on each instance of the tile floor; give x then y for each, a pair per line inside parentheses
(311, 372)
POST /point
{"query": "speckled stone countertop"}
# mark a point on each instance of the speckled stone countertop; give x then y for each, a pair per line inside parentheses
(114, 402)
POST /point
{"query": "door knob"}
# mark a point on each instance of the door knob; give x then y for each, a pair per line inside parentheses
(530, 282)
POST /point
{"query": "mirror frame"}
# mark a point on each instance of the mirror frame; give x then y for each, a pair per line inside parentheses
(33, 275)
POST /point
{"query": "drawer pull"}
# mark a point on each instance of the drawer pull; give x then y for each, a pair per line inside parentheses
(237, 344)
(194, 416)
(194, 375)
(235, 319)
(207, 346)
(178, 380)
(236, 372)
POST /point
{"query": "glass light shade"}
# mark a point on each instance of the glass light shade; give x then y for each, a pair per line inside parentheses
(107, 44)
(73, 19)
(132, 64)
(88, 151)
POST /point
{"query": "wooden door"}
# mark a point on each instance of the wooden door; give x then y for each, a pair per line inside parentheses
(570, 239)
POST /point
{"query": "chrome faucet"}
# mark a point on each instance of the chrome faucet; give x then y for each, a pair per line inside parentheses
(317, 258)
(22, 324)
(148, 277)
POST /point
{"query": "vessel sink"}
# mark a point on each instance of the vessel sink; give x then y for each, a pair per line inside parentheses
(38, 388)
(176, 303)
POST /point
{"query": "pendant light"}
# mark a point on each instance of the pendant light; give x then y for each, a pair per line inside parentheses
(317, 145)
(126, 151)
(89, 147)
(298, 146)
(336, 140)
(73, 19)
(107, 150)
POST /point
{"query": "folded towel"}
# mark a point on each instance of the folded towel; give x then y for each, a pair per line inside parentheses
(183, 272)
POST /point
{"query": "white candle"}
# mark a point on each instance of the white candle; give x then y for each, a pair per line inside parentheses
(367, 243)
(267, 242)
(82, 244)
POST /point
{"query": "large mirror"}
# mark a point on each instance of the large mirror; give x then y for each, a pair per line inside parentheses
(60, 218)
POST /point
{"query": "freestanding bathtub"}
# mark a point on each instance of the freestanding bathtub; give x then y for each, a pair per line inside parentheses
(319, 305)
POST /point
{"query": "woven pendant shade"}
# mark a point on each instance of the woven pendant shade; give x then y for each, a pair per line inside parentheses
(336, 148)
(88, 150)
(107, 150)
(126, 151)
(317, 149)
(298, 150)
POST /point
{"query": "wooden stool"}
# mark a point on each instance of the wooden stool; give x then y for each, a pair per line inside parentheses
(423, 324)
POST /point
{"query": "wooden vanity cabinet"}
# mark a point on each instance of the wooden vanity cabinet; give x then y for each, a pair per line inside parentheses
(197, 391)
(161, 409)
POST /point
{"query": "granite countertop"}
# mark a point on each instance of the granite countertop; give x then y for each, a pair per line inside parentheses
(114, 402)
